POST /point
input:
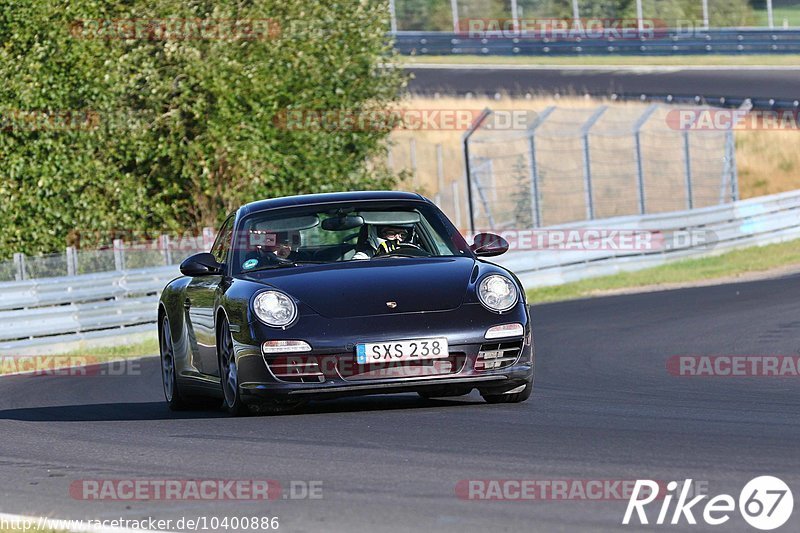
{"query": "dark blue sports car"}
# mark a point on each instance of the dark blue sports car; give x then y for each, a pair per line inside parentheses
(328, 295)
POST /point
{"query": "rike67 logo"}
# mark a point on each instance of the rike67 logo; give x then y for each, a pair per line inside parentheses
(765, 503)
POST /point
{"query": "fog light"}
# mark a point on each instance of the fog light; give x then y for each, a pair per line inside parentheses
(285, 347)
(506, 330)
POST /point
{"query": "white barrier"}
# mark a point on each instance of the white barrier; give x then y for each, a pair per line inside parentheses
(65, 309)
(50, 310)
(751, 222)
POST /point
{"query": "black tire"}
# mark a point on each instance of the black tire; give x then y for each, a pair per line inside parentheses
(176, 399)
(516, 397)
(228, 372)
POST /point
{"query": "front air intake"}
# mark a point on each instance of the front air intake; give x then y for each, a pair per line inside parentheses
(498, 355)
(296, 370)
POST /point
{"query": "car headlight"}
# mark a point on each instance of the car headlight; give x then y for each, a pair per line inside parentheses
(274, 308)
(497, 293)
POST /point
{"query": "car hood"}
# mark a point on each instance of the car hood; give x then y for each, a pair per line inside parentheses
(364, 288)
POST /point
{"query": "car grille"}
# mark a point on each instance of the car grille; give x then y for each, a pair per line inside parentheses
(498, 355)
(296, 370)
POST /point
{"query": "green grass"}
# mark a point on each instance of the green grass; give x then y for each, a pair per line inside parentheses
(725, 266)
(120, 351)
(790, 13)
(81, 357)
(594, 61)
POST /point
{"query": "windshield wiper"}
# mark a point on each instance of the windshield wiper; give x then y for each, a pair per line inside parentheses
(271, 267)
(282, 264)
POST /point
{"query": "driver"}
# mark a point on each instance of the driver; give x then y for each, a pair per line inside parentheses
(271, 248)
(392, 238)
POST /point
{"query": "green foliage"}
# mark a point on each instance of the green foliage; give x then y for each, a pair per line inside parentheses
(177, 132)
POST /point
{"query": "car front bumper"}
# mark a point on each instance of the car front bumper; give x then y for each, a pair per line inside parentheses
(333, 345)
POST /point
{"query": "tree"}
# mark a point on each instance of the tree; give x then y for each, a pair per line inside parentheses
(184, 128)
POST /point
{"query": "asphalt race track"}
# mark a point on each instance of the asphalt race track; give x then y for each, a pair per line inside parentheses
(604, 408)
(750, 82)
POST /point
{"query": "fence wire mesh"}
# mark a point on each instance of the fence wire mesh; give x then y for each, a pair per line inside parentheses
(582, 164)
(121, 256)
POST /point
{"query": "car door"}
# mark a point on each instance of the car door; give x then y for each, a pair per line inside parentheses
(200, 301)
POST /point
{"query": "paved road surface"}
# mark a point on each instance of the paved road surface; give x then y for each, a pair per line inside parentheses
(604, 408)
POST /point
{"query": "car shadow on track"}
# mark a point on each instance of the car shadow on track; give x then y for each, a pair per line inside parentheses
(382, 403)
(139, 411)
(102, 412)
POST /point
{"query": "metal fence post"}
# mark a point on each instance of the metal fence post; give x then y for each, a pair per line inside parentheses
(637, 130)
(734, 168)
(454, 10)
(770, 16)
(166, 251)
(119, 254)
(536, 215)
(687, 161)
(729, 171)
(587, 171)
(72, 261)
(475, 125)
(485, 163)
(19, 267)
(392, 17)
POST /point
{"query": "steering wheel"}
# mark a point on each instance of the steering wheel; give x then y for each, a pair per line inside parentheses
(405, 249)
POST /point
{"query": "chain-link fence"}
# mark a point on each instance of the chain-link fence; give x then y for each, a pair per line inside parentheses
(581, 164)
(441, 15)
(120, 255)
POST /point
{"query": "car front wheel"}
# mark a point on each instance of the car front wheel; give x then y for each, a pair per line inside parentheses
(229, 372)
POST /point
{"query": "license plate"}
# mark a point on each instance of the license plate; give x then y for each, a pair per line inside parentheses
(412, 350)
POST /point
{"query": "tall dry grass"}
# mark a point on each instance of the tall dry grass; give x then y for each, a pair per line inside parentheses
(768, 161)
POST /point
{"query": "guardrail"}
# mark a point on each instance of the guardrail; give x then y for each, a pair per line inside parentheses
(755, 221)
(53, 310)
(666, 42)
(70, 308)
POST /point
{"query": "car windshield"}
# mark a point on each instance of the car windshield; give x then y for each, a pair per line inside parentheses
(338, 233)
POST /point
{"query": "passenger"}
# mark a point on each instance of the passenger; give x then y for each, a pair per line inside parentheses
(271, 248)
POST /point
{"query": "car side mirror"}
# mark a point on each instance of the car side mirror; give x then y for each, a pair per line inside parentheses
(202, 264)
(489, 245)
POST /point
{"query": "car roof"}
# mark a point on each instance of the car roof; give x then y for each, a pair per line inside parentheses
(326, 198)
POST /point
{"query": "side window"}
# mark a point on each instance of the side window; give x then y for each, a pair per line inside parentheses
(223, 243)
